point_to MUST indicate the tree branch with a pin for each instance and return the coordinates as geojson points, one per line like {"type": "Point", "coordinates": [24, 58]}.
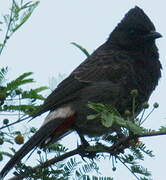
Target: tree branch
{"type": "Point", "coordinates": [18, 121]}
{"type": "Point", "coordinates": [113, 150]}
{"type": "Point", "coordinates": [153, 133]}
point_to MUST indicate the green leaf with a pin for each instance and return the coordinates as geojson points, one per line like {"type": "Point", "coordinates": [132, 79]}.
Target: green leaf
{"type": "Point", "coordinates": [92, 116]}
{"type": "Point", "coordinates": [107, 119]}
{"type": "Point", "coordinates": [42, 88]}
{"type": "Point", "coordinates": [6, 19]}
{"type": "Point", "coordinates": [120, 121]}
{"type": "Point", "coordinates": [6, 154]}
{"type": "Point", "coordinates": [28, 4]}
{"type": "Point", "coordinates": [33, 94]}
{"type": "Point", "coordinates": [15, 8]}
{"type": "Point", "coordinates": [103, 108]}
{"type": "Point", "coordinates": [21, 80]}
{"type": "Point", "coordinates": [162, 128]}
{"type": "Point", "coordinates": [27, 109]}
{"type": "Point", "coordinates": [133, 127]}
{"type": "Point", "coordinates": [97, 107]}
{"type": "Point", "coordinates": [3, 72]}
{"type": "Point", "coordinates": [81, 48]}
{"type": "Point", "coordinates": [56, 148]}
{"type": "Point", "coordinates": [140, 170]}
{"type": "Point", "coordinates": [26, 15]}
{"type": "Point", "coordinates": [143, 148]}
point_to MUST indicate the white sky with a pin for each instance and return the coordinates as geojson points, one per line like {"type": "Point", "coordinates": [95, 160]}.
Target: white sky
{"type": "Point", "coordinates": [43, 46]}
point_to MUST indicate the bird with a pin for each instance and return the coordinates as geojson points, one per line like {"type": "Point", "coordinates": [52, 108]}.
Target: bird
{"type": "Point", "coordinates": [127, 60]}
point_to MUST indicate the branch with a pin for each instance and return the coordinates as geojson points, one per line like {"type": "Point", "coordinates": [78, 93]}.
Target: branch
{"type": "Point", "coordinates": [18, 121]}
{"type": "Point", "coordinates": [8, 29]}
{"type": "Point", "coordinates": [50, 162]}
{"type": "Point", "coordinates": [153, 133]}
{"type": "Point", "coordinates": [113, 150]}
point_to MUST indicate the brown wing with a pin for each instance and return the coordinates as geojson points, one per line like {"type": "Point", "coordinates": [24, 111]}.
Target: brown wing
{"type": "Point", "coordinates": [102, 65]}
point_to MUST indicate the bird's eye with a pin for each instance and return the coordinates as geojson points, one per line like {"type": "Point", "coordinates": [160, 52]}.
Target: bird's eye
{"type": "Point", "coordinates": [137, 32]}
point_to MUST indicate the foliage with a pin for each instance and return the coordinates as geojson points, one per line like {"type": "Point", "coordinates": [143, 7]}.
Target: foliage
{"type": "Point", "coordinates": [81, 48]}
{"type": "Point", "coordinates": [13, 98]}
{"type": "Point", "coordinates": [136, 149]}
{"type": "Point", "coordinates": [20, 12]}
{"type": "Point", "coordinates": [110, 116]}
{"type": "Point", "coordinates": [15, 103]}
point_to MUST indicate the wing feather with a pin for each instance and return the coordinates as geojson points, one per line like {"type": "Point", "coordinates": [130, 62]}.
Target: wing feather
{"type": "Point", "coordinates": [102, 65]}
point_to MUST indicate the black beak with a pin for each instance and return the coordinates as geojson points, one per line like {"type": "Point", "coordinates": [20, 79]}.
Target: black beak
{"type": "Point", "coordinates": [153, 35]}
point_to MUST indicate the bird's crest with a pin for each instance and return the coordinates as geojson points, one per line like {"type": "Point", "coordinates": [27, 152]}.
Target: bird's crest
{"type": "Point", "coordinates": [136, 17]}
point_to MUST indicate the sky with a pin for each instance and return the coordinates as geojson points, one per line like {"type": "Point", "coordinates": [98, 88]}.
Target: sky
{"type": "Point", "coordinates": [43, 46]}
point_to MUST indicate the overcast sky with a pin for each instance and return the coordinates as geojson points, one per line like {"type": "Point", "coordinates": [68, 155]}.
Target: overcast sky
{"type": "Point", "coordinates": [43, 46]}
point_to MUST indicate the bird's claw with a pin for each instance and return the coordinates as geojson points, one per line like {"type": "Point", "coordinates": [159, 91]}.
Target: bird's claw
{"type": "Point", "coordinates": [84, 152]}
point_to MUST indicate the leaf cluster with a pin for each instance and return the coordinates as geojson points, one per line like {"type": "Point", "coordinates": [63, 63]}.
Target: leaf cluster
{"type": "Point", "coordinates": [13, 97]}
{"type": "Point", "coordinates": [20, 12]}
{"type": "Point", "coordinates": [111, 117]}
{"type": "Point", "coordinates": [133, 152]}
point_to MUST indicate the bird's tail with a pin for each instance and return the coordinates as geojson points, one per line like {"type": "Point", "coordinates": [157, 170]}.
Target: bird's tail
{"type": "Point", "coordinates": [53, 129]}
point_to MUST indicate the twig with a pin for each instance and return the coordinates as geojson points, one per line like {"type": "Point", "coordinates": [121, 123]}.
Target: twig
{"type": "Point", "coordinates": [8, 29]}
{"type": "Point", "coordinates": [153, 133]}
{"type": "Point", "coordinates": [18, 121]}
{"type": "Point", "coordinates": [7, 114]}
{"type": "Point", "coordinates": [128, 168]}
{"type": "Point", "coordinates": [147, 116]}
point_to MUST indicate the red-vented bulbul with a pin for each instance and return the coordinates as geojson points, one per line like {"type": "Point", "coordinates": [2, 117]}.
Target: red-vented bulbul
{"type": "Point", "coordinates": [128, 60]}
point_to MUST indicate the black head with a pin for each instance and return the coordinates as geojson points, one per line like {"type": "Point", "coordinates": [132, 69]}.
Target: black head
{"type": "Point", "coordinates": [134, 31]}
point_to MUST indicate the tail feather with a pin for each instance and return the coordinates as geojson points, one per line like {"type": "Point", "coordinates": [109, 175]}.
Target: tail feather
{"type": "Point", "coordinates": [36, 140]}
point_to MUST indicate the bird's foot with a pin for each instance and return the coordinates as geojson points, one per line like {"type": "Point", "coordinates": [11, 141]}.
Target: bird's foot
{"type": "Point", "coordinates": [83, 149]}
{"type": "Point", "coordinates": [84, 152]}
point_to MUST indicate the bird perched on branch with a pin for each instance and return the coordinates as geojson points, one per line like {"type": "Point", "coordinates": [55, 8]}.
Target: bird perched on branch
{"type": "Point", "coordinates": [128, 60]}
